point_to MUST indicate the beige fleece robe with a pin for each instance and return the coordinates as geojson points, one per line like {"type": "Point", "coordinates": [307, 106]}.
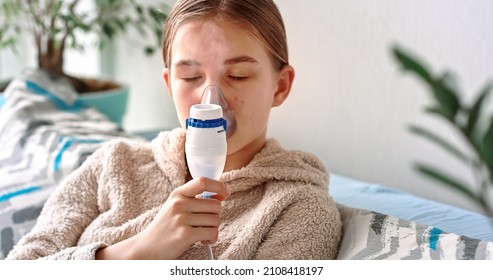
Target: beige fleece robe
{"type": "Point", "coordinates": [279, 207]}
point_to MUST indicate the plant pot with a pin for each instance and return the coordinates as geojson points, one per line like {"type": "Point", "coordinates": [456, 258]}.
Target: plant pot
{"type": "Point", "coordinates": [112, 103]}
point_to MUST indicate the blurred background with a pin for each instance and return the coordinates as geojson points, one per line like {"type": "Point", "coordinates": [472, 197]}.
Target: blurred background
{"type": "Point", "coordinates": [350, 104]}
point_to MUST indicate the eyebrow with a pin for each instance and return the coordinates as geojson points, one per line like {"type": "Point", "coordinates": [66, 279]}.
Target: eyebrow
{"type": "Point", "coordinates": [186, 62]}
{"type": "Point", "coordinates": [240, 59]}
{"type": "Point", "coordinates": [230, 61]}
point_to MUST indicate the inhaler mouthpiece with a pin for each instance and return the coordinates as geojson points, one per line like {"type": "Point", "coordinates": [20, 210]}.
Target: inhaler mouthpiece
{"type": "Point", "coordinates": [213, 95]}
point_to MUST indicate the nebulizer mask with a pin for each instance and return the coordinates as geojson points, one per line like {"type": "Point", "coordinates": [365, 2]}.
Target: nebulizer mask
{"type": "Point", "coordinates": [210, 123]}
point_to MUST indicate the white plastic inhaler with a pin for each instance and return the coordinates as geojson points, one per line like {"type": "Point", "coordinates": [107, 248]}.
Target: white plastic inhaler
{"type": "Point", "coordinates": [205, 144]}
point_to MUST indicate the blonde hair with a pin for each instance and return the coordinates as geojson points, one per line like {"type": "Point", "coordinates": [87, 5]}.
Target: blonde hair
{"type": "Point", "coordinates": [261, 17]}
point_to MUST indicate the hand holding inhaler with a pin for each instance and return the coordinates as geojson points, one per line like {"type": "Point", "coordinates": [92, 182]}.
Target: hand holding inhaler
{"type": "Point", "coordinates": [208, 126]}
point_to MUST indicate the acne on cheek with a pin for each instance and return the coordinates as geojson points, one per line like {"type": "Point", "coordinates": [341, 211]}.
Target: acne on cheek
{"type": "Point", "coordinates": [236, 103]}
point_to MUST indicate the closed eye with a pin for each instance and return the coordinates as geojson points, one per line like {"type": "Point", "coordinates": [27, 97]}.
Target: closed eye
{"type": "Point", "coordinates": [237, 78]}
{"type": "Point", "coordinates": [191, 79]}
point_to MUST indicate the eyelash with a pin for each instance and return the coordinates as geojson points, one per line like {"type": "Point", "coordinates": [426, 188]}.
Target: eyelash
{"type": "Point", "coordinates": [239, 79]}
{"type": "Point", "coordinates": [192, 79]}
{"type": "Point", "coordinates": [234, 78]}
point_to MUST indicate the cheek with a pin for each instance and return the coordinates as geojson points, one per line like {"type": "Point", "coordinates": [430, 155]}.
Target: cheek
{"type": "Point", "coordinates": [183, 102]}
{"type": "Point", "coordinates": [251, 111]}
{"type": "Point", "coordinates": [241, 108]}
{"type": "Point", "coordinates": [236, 103]}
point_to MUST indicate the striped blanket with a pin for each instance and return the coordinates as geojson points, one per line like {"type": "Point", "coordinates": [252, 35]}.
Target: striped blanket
{"type": "Point", "coordinates": [45, 133]}
{"type": "Point", "coordinates": [370, 235]}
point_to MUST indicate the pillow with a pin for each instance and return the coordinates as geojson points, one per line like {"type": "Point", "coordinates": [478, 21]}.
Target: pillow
{"type": "Point", "coordinates": [369, 235]}
{"type": "Point", "coordinates": [18, 213]}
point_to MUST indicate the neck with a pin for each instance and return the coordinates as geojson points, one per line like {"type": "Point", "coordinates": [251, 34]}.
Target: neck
{"type": "Point", "coordinates": [242, 157]}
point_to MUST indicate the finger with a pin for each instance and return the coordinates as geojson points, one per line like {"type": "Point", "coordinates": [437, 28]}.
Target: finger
{"type": "Point", "coordinates": [204, 220]}
{"type": "Point", "coordinates": [206, 234]}
{"type": "Point", "coordinates": [204, 206]}
{"type": "Point", "coordinates": [200, 185]}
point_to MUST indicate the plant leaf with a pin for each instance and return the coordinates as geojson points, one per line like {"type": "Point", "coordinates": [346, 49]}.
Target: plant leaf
{"type": "Point", "coordinates": [475, 110]}
{"type": "Point", "coordinates": [448, 181]}
{"type": "Point", "coordinates": [157, 15]}
{"type": "Point", "coordinates": [412, 64]}
{"type": "Point", "coordinates": [488, 147]}
{"type": "Point", "coordinates": [139, 9]}
{"type": "Point", "coordinates": [57, 7]}
{"type": "Point", "coordinates": [440, 142]}
{"type": "Point", "coordinates": [108, 30]}
{"type": "Point", "coordinates": [149, 50]}
{"type": "Point", "coordinates": [446, 95]}
{"type": "Point", "coordinates": [438, 111]}
{"type": "Point", "coordinates": [443, 89]}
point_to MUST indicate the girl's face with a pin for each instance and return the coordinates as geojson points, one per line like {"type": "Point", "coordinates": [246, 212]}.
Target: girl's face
{"type": "Point", "coordinates": [215, 52]}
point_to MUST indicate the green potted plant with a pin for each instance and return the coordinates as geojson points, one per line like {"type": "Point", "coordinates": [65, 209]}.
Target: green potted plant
{"type": "Point", "coordinates": [55, 25]}
{"type": "Point", "coordinates": [473, 123]}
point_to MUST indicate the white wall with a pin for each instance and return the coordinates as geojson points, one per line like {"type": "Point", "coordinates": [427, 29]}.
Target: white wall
{"type": "Point", "coordinates": [351, 105]}
{"type": "Point", "coordinates": [150, 106]}
{"type": "Point", "coordinates": [12, 62]}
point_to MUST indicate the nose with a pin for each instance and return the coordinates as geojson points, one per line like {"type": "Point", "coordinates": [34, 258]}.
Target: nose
{"type": "Point", "coordinates": [212, 79]}
{"type": "Point", "coordinates": [213, 95]}
{"type": "Point", "coordinates": [213, 86]}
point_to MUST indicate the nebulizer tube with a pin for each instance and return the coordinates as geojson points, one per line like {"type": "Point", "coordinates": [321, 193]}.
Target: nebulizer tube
{"type": "Point", "coordinates": [209, 125]}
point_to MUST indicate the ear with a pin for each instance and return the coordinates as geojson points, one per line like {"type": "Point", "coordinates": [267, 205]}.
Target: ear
{"type": "Point", "coordinates": [167, 80]}
{"type": "Point", "coordinates": [284, 83]}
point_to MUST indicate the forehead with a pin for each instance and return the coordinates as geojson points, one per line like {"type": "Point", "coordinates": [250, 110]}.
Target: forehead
{"type": "Point", "coordinates": [211, 36]}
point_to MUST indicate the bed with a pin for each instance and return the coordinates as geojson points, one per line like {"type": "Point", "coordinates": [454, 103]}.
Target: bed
{"type": "Point", "coordinates": [46, 132]}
